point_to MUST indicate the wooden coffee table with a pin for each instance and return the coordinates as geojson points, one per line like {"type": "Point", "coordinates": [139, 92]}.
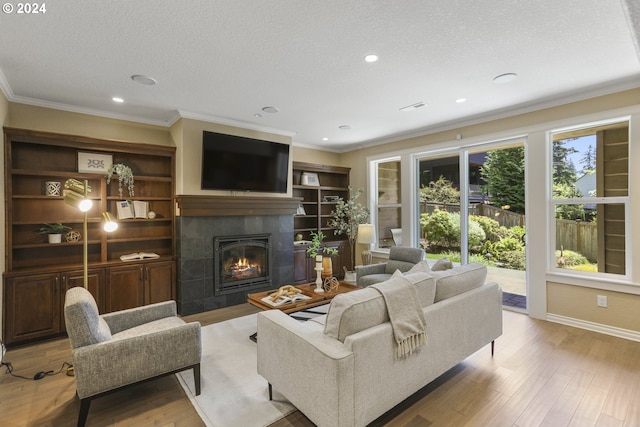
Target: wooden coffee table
{"type": "Point", "coordinates": [308, 289]}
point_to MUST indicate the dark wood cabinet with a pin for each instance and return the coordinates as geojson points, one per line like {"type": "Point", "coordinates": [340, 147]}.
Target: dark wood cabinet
{"type": "Point", "coordinates": [318, 201]}
{"type": "Point", "coordinates": [39, 273]}
{"type": "Point", "coordinates": [133, 285]}
{"type": "Point", "coordinates": [32, 307]}
{"type": "Point", "coordinates": [159, 282]}
{"type": "Point", "coordinates": [125, 287]}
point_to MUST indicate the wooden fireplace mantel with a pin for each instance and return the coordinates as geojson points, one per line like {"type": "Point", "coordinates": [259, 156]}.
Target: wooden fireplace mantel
{"type": "Point", "coordinates": [236, 206]}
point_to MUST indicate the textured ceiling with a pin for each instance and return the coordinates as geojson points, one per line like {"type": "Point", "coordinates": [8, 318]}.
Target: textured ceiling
{"type": "Point", "coordinates": [223, 61]}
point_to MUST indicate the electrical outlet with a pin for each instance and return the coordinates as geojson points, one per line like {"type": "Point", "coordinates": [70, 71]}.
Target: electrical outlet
{"type": "Point", "coordinates": [602, 300]}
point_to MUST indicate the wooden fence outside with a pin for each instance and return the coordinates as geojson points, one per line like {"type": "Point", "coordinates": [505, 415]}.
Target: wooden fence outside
{"type": "Point", "coordinates": [506, 218]}
{"type": "Point", "coordinates": [578, 236]}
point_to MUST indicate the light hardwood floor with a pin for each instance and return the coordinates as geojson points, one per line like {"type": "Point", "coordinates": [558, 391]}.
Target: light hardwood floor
{"type": "Point", "coordinates": [542, 374]}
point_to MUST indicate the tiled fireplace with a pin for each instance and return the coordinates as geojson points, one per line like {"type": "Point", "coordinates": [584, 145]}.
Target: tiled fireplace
{"type": "Point", "coordinates": [249, 231]}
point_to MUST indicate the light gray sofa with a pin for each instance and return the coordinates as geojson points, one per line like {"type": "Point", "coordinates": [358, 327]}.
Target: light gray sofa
{"type": "Point", "coordinates": [342, 369]}
{"type": "Point", "coordinates": [400, 258]}
{"type": "Point", "coordinates": [123, 348]}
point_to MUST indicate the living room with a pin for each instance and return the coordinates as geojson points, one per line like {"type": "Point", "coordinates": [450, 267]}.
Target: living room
{"type": "Point", "coordinates": [560, 305]}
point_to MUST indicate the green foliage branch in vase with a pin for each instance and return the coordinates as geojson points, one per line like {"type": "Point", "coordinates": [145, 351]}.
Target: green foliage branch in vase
{"type": "Point", "coordinates": [125, 176]}
{"type": "Point", "coordinates": [346, 218]}
{"type": "Point", "coordinates": [317, 248]}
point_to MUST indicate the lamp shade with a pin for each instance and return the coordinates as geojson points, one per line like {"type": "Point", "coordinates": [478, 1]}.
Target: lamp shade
{"type": "Point", "coordinates": [366, 234]}
{"type": "Point", "coordinates": [108, 223]}
{"type": "Point", "coordinates": [75, 194]}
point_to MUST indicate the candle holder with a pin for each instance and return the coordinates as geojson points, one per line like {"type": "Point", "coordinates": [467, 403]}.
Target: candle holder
{"type": "Point", "coordinates": [319, 289]}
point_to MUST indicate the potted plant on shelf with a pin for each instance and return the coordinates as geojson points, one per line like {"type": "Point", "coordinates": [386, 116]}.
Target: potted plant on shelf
{"type": "Point", "coordinates": [318, 249]}
{"type": "Point", "coordinates": [345, 220]}
{"type": "Point", "coordinates": [125, 176]}
{"type": "Point", "coordinates": [54, 231]}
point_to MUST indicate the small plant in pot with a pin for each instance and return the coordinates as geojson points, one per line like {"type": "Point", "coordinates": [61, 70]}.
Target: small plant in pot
{"type": "Point", "coordinates": [54, 230]}
{"type": "Point", "coordinates": [317, 248]}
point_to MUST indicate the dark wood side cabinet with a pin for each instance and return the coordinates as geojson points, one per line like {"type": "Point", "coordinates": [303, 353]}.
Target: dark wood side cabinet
{"type": "Point", "coordinates": [38, 273]}
{"type": "Point", "coordinates": [318, 201]}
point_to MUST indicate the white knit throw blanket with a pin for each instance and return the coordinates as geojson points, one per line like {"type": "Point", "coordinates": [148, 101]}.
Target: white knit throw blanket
{"type": "Point", "coordinates": [405, 314]}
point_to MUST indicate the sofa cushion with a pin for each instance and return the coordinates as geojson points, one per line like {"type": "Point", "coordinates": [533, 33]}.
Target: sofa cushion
{"type": "Point", "coordinates": [458, 280]}
{"type": "Point", "coordinates": [355, 311]}
{"type": "Point", "coordinates": [358, 310]}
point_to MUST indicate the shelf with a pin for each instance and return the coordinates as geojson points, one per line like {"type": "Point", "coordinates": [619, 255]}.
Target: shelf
{"type": "Point", "coordinates": [54, 245]}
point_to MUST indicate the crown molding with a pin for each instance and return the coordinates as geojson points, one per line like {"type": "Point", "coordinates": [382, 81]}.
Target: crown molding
{"type": "Point", "coordinates": [230, 122]}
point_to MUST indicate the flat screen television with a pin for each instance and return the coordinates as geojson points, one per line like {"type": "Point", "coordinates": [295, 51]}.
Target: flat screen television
{"type": "Point", "coordinates": [236, 163]}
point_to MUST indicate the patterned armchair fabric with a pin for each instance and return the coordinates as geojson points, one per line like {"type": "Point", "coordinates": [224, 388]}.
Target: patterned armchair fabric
{"type": "Point", "coordinates": [126, 347]}
{"type": "Point", "coordinates": [400, 258]}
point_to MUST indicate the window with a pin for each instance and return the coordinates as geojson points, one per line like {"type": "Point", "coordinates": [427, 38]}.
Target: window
{"type": "Point", "coordinates": [590, 198]}
{"type": "Point", "coordinates": [387, 212]}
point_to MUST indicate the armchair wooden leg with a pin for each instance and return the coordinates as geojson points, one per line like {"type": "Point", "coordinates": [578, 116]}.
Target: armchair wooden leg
{"type": "Point", "coordinates": [84, 411]}
{"type": "Point", "coordinates": [493, 345]}
{"type": "Point", "coordinates": [196, 378]}
{"type": "Point", "coordinates": [270, 392]}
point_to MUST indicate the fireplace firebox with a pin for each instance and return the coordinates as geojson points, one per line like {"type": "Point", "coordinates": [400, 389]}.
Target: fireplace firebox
{"type": "Point", "coordinates": [241, 263]}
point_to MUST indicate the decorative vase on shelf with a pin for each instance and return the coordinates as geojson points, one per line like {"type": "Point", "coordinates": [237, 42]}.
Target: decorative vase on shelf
{"type": "Point", "coordinates": [327, 267]}
{"type": "Point", "coordinates": [52, 188]}
{"type": "Point", "coordinates": [55, 238]}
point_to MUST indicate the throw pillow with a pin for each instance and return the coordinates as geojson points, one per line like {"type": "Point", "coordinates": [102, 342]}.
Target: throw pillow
{"type": "Point", "coordinates": [459, 279]}
{"type": "Point", "coordinates": [421, 267]}
{"type": "Point", "coordinates": [442, 264]}
{"type": "Point", "coordinates": [355, 311]}
{"type": "Point", "coordinates": [425, 285]}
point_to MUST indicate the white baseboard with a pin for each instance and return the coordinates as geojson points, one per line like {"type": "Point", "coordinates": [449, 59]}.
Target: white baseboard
{"type": "Point", "coordinates": [595, 327]}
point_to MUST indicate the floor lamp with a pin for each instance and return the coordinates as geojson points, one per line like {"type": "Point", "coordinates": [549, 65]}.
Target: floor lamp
{"type": "Point", "coordinates": [366, 236]}
{"type": "Point", "coordinates": [76, 194]}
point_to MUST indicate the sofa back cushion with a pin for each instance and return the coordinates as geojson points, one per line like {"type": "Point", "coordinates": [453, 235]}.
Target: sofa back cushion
{"type": "Point", "coordinates": [362, 309]}
{"type": "Point", "coordinates": [459, 279]}
{"type": "Point", "coordinates": [83, 322]}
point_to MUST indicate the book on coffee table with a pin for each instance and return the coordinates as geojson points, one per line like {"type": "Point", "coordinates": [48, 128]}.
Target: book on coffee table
{"type": "Point", "coordinates": [285, 299]}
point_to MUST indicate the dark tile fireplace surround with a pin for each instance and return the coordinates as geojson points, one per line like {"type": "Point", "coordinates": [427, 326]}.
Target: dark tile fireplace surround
{"type": "Point", "coordinates": [202, 218]}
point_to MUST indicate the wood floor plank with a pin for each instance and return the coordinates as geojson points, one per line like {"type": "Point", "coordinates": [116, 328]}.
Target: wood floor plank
{"type": "Point", "coordinates": [542, 374]}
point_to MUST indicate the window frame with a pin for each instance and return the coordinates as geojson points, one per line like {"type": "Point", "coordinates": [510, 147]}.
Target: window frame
{"type": "Point", "coordinates": [553, 202]}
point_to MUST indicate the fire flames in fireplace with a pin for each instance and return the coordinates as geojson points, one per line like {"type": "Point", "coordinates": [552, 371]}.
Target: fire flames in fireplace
{"type": "Point", "coordinates": [241, 263]}
{"type": "Point", "coordinates": [242, 268]}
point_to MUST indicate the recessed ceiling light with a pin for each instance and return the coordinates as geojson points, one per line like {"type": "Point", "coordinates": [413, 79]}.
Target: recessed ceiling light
{"type": "Point", "coordinates": [271, 110]}
{"type": "Point", "coordinates": [371, 58]}
{"type": "Point", "coordinates": [344, 127]}
{"type": "Point", "coordinates": [461, 100]}
{"type": "Point", "coordinates": [257, 115]}
{"type": "Point", "coordinates": [505, 78]}
{"type": "Point", "coordinates": [117, 99]}
{"type": "Point", "coordinates": [325, 139]}
{"type": "Point", "coordinates": [413, 106]}
{"type": "Point", "coordinates": [143, 80]}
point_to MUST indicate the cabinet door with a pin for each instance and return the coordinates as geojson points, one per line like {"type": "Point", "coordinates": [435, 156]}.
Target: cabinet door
{"type": "Point", "coordinates": [160, 283]}
{"type": "Point", "coordinates": [95, 277]}
{"type": "Point", "coordinates": [32, 305]}
{"type": "Point", "coordinates": [124, 287]}
{"type": "Point", "coordinates": [302, 268]}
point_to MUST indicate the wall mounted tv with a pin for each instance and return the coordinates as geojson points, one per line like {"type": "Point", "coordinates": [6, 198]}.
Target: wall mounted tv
{"type": "Point", "coordinates": [236, 163]}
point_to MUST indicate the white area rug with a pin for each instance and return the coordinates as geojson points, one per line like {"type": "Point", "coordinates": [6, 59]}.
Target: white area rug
{"type": "Point", "coordinates": [232, 392]}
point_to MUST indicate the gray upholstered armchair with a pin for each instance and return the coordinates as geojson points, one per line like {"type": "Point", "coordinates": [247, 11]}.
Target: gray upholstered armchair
{"type": "Point", "coordinates": [126, 347]}
{"type": "Point", "coordinates": [400, 258]}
